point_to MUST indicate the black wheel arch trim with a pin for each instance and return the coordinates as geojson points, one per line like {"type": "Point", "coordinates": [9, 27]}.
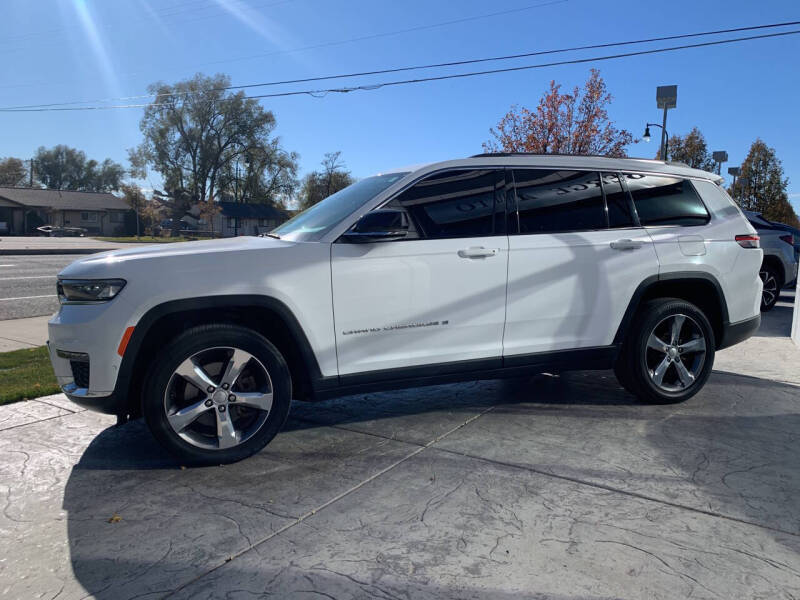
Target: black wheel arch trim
{"type": "Point", "coordinates": [146, 322]}
{"type": "Point", "coordinates": [674, 276]}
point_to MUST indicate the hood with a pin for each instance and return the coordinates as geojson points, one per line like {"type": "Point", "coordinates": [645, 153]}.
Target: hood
{"type": "Point", "coordinates": [106, 263]}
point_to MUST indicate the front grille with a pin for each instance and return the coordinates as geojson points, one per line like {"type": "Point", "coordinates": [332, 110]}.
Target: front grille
{"type": "Point", "coordinates": [80, 373]}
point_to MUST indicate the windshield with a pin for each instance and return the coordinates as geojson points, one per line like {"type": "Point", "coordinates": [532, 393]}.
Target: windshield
{"type": "Point", "coordinates": [316, 221]}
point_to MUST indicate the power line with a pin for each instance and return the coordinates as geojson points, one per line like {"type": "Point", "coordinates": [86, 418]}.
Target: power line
{"type": "Point", "coordinates": [323, 92]}
{"type": "Point", "coordinates": [419, 67]}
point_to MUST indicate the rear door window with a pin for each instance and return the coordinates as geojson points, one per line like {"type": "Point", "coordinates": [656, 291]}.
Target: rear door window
{"type": "Point", "coordinates": [666, 200]}
{"type": "Point", "coordinates": [620, 214]}
{"type": "Point", "coordinates": [550, 201]}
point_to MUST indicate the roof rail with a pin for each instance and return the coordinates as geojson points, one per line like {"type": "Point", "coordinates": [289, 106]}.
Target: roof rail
{"type": "Point", "coordinates": [490, 154]}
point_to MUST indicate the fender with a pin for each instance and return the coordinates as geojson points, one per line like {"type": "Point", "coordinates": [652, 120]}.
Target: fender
{"type": "Point", "coordinates": [649, 282]}
{"type": "Point", "coordinates": [143, 327]}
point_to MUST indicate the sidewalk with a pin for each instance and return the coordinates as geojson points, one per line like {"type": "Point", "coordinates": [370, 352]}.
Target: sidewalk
{"type": "Point", "coordinates": [54, 245]}
{"type": "Point", "coordinates": [16, 334]}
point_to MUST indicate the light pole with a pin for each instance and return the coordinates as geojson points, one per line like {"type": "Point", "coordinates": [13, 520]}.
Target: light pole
{"type": "Point", "coordinates": [664, 138]}
{"type": "Point", "coordinates": [666, 98]}
{"type": "Point", "coordinates": [743, 181]}
{"type": "Point", "coordinates": [720, 156]}
{"type": "Point", "coordinates": [734, 171]}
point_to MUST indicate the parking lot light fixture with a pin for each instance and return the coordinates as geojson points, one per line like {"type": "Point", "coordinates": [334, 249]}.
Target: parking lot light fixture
{"type": "Point", "coordinates": [720, 156]}
{"type": "Point", "coordinates": [734, 172]}
{"type": "Point", "coordinates": [666, 98]}
{"type": "Point", "coordinates": [664, 138]}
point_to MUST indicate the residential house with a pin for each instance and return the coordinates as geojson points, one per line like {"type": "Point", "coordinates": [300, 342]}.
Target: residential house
{"type": "Point", "coordinates": [238, 218]}
{"type": "Point", "coordinates": [24, 209]}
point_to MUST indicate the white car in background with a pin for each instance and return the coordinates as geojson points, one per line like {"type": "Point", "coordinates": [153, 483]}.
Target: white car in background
{"type": "Point", "coordinates": [779, 268]}
{"type": "Point", "coordinates": [485, 267]}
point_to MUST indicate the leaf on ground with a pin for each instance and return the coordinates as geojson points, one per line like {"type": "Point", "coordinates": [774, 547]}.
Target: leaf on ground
{"type": "Point", "coordinates": [115, 518]}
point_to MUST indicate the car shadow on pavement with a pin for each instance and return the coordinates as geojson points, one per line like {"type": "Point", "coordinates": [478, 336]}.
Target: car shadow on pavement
{"type": "Point", "coordinates": [731, 451]}
{"type": "Point", "coordinates": [778, 322]}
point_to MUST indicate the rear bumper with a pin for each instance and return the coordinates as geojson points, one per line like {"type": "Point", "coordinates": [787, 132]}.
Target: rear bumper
{"type": "Point", "coordinates": [733, 333]}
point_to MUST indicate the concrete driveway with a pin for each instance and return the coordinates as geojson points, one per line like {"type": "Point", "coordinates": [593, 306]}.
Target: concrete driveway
{"type": "Point", "coordinates": [546, 487]}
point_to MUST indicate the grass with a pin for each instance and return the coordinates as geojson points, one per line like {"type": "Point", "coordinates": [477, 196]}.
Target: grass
{"type": "Point", "coordinates": [26, 374]}
{"type": "Point", "coordinates": [146, 239]}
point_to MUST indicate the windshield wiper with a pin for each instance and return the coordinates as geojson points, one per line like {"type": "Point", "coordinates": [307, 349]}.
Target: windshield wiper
{"type": "Point", "coordinates": [273, 235]}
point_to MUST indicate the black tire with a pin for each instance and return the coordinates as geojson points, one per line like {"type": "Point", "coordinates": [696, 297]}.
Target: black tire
{"type": "Point", "coordinates": [159, 389]}
{"type": "Point", "coordinates": [773, 282]}
{"type": "Point", "coordinates": [637, 367]}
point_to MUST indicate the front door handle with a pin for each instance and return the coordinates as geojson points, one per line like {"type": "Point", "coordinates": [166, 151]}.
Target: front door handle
{"type": "Point", "coordinates": [477, 252]}
{"type": "Point", "coordinates": [626, 244]}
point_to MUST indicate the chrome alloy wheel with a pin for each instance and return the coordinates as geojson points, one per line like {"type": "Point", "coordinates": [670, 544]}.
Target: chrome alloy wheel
{"type": "Point", "coordinates": [770, 287]}
{"type": "Point", "coordinates": [675, 353]}
{"type": "Point", "coordinates": [218, 398]}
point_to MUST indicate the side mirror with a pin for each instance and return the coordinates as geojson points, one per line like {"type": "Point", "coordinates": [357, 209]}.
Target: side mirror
{"type": "Point", "coordinates": [382, 225]}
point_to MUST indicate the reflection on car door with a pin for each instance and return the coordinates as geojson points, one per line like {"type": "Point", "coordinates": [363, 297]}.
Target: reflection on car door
{"type": "Point", "coordinates": [437, 296]}
{"type": "Point", "coordinates": [575, 260]}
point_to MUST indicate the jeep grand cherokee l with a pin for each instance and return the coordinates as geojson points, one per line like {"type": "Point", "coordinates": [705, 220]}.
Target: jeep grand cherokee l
{"type": "Point", "coordinates": [491, 266]}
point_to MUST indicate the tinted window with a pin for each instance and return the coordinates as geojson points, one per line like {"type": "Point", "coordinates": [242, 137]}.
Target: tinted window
{"type": "Point", "coordinates": [663, 200]}
{"type": "Point", "coordinates": [314, 222]}
{"type": "Point", "coordinates": [619, 207]}
{"type": "Point", "coordinates": [456, 204]}
{"type": "Point", "coordinates": [550, 200]}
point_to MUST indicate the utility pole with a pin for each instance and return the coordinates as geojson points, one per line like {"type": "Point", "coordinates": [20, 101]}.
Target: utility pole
{"type": "Point", "coordinates": [236, 187]}
{"type": "Point", "coordinates": [30, 175]}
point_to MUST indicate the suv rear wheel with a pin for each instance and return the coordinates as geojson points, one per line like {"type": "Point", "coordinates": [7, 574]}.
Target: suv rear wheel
{"type": "Point", "coordinates": [668, 354]}
{"type": "Point", "coordinates": [216, 394]}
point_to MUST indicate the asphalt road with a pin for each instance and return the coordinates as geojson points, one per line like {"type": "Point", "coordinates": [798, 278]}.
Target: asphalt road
{"type": "Point", "coordinates": [28, 285]}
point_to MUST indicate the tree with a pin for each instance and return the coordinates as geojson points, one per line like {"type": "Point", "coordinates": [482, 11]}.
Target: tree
{"type": "Point", "coordinates": [13, 172]}
{"type": "Point", "coordinates": [65, 168]}
{"type": "Point", "coordinates": [195, 132]}
{"type": "Point", "coordinates": [267, 175]}
{"type": "Point", "coordinates": [690, 149]}
{"type": "Point", "coordinates": [318, 185]}
{"type": "Point", "coordinates": [207, 210]}
{"type": "Point", "coordinates": [568, 123]}
{"type": "Point", "coordinates": [761, 186]}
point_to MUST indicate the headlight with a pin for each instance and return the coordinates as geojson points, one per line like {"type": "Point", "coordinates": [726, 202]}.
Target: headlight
{"type": "Point", "coordinates": [79, 291]}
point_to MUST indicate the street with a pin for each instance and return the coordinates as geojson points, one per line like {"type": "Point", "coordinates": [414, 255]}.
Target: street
{"type": "Point", "coordinates": [28, 285]}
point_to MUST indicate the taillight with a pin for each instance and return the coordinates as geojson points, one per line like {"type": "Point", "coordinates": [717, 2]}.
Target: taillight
{"type": "Point", "coordinates": [750, 240]}
{"type": "Point", "coordinates": [788, 238]}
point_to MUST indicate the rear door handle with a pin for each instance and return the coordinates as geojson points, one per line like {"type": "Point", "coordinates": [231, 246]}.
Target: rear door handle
{"type": "Point", "coordinates": [477, 252]}
{"type": "Point", "coordinates": [626, 244]}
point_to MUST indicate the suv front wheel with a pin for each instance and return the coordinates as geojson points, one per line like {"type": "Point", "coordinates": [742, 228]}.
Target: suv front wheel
{"type": "Point", "coordinates": [216, 394]}
{"type": "Point", "coordinates": [668, 354]}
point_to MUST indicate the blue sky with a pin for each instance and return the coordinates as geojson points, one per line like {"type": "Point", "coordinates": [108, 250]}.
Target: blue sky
{"type": "Point", "coordinates": [63, 50]}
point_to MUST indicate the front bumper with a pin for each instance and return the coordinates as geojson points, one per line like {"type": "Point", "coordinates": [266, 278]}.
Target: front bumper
{"type": "Point", "coordinates": [83, 343]}
{"type": "Point", "coordinates": [79, 394]}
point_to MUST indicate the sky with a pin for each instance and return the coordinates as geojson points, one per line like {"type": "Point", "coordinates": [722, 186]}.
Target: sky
{"type": "Point", "coordinates": [68, 50]}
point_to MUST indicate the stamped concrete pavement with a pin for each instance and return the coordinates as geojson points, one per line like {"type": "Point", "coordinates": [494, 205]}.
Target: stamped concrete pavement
{"type": "Point", "coordinates": [544, 487]}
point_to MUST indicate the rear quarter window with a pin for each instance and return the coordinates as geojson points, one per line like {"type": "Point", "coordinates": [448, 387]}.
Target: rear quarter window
{"type": "Point", "coordinates": [666, 200]}
{"type": "Point", "coordinates": [717, 199]}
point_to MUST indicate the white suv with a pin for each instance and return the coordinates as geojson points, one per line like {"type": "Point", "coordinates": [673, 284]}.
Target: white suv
{"type": "Point", "coordinates": [491, 266]}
